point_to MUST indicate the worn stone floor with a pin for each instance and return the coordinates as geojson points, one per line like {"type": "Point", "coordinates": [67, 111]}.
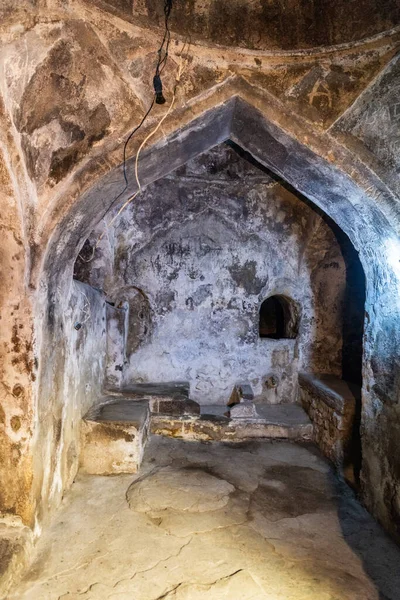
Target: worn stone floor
{"type": "Point", "coordinates": [250, 521]}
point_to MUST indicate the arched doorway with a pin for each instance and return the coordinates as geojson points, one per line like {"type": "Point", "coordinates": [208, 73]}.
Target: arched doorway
{"type": "Point", "coordinates": [322, 183]}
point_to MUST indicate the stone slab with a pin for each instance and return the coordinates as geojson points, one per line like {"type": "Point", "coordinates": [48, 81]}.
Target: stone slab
{"type": "Point", "coordinates": [170, 398]}
{"type": "Point", "coordinates": [215, 427]}
{"type": "Point", "coordinates": [120, 411]}
{"type": "Point", "coordinates": [243, 410]}
{"type": "Point", "coordinates": [174, 406]}
{"type": "Point", "coordinates": [113, 437]}
{"type": "Point", "coordinates": [170, 389]}
{"type": "Point", "coordinates": [335, 392]}
{"type": "Point", "coordinates": [287, 415]}
{"type": "Point", "coordinates": [214, 410]}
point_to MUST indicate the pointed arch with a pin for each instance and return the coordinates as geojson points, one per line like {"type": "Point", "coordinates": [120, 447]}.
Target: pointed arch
{"type": "Point", "coordinates": [325, 183]}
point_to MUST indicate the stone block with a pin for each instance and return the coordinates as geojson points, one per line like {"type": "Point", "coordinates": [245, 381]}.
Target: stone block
{"type": "Point", "coordinates": [113, 437]}
{"type": "Point", "coordinates": [174, 407]}
{"type": "Point", "coordinates": [288, 422]}
{"type": "Point", "coordinates": [241, 391]}
{"type": "Point", "coordinates": [244, 410]}
{"type": "Point", "coordinates": [330, 404]}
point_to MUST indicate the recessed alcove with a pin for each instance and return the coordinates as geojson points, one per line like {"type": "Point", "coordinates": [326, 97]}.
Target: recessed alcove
{"type": "Point", "coordinates": [278, 318]}
{"type": "Point", "coordinates": [200, 312]}
{"type": "Point", "coordinates": [199, 276]}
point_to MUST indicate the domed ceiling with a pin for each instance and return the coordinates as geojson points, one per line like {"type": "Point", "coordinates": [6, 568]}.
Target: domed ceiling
{"type": "Point", "coordinates": [266, 24]}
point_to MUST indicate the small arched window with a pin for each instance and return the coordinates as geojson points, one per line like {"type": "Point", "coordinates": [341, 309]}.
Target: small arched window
{"type": "Point", "coordinates": [278, 318]}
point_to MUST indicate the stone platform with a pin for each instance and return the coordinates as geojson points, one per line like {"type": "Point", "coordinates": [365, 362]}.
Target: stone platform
{"type": "Point", "coordinates": [331, 403]}
{"type": "Point", "coordinates": [114, 434]}
{"type": "Point", "coordinates": [288, 422]}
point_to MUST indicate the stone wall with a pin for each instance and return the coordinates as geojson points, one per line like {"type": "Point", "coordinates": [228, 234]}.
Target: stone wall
{"type": "Point", "coordinates": [331, 407]}
{"type": "Point", "coordinates": [205, 247]}
{"type": "Point", "coordinates": [77, 370]}
{"type": "Point", "coordinates": [76, 78]}
{"type": "Point", "coordinates": [280, 24]}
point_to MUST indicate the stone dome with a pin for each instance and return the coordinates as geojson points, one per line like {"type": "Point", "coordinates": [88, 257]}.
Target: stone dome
{"type": "Point", "coordinates": [270, 24]}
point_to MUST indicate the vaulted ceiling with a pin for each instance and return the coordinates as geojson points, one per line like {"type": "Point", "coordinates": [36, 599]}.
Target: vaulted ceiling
{"type": "Point", "coordinates": [266, 24]}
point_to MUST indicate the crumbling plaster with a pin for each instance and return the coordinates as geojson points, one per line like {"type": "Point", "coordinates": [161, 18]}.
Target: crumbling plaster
{"type": "Point", "coordinates": [74, 80]}
{"type": "Point", "coordinates": [73, 374]}
{"type": "Point", "coordinates": [204, 247]}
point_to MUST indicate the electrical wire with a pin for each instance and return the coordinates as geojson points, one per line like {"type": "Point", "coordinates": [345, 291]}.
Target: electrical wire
{"type": "Point", "coordinates": [153, 132]}
{"type": "Point", "coordinates": [158, 98]}
{"type": "Point", "coordinates": [166, 38]}
{"type": "Point", "coordinates": [128, 139]}
{"type": "Point", "coordinates": [181, 69]}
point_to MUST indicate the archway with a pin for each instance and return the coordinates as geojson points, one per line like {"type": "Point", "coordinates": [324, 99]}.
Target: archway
{"type": "Point", "coordinates": [321, 182]}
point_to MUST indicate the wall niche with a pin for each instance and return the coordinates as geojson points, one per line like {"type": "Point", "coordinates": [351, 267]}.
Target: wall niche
{"type": "Point", "coordinates": [201, 251]}
{"type": "Point", "coordinates": [279, 318]}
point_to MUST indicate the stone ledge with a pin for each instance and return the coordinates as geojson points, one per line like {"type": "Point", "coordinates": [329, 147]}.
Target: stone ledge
{"type": "Point", "coordinates": [219, 428]}
{"type": "Point", "coordinates": [335, 392]}
{"type": "Point", "coordinates": [330, 404]}
{"type": "Point", "coordinates": [114, 436]}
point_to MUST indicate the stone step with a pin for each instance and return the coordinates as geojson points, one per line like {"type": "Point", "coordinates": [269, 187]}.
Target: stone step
{"type": "Point", "coordinates": [114, 433]}
{"type": "Point", "coordinates": [170, 389]}
{"type": "Point", "coordinates": [288, 422]}
{"type": "Point", "coordinates": [113, 436]}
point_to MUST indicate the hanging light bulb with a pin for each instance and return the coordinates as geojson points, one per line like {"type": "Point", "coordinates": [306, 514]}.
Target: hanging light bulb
{"type": "Point", "coordinates": [157, 84]}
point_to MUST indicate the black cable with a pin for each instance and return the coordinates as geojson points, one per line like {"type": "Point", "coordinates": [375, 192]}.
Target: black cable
{"type": "Point", "coordinates": [158, 97]}
{"type": "Point", "coordinates": [132, 133]}
{"type": "Point", "coordinates": [162, 58]}
{"type": "Point", "coordinates": [161, 62]}
{"type": "Point", "coordinates": [128, 139]}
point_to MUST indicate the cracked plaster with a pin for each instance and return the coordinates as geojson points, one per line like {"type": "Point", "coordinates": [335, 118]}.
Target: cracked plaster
{"type": "Point", "coordinates": [303, 93]}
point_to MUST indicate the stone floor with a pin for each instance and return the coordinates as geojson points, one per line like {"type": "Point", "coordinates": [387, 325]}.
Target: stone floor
{"type": "Point", "coordinates": [250, 521]}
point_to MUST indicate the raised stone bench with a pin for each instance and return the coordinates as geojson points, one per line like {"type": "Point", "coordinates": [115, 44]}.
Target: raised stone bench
{"type": "Point", "coordinates": [171, 398]}
{"type": "Point", "coordinates": [114, 435]}
{"type": "Point", "coordinates": [289, 422]}
{"type": "Point", "coordinates": [330, 404]}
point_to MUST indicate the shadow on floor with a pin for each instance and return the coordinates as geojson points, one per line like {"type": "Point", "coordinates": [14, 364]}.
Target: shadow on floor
{"type": "Point", "coordinates": [378, 553]}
